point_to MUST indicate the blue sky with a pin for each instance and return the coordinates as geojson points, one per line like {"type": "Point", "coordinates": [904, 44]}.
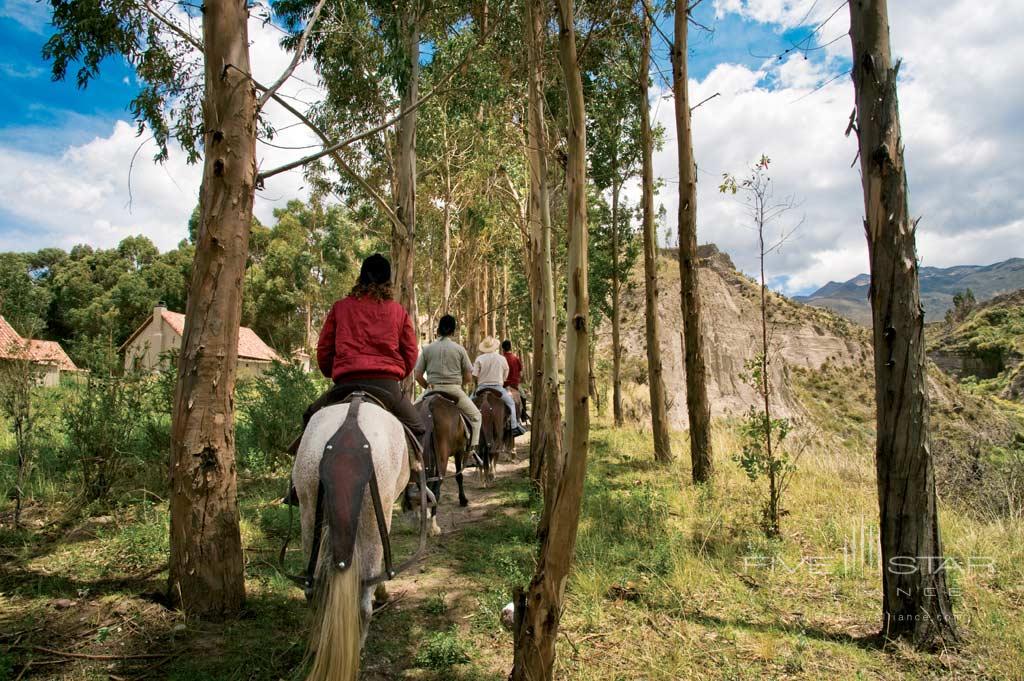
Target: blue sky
{"type": "Point", "coordinates": [46, 116]}
{"type": "Point", "coordinates": [64, 152]}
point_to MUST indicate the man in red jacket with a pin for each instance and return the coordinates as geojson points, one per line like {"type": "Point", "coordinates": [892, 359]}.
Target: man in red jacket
{"type": "Point", "coordinates": [515, 375]}
{"type": "Point", "coordinates": [368, 344]}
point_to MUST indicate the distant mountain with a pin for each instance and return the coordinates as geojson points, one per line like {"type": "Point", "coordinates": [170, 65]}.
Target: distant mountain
{"type": "Point", "coordinates": [938, 286]}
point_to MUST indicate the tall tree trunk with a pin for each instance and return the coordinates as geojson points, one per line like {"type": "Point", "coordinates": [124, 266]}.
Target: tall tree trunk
{"type": "Point", "coordinates": [539, 610]}
{"type": "Point", "coordinates": [655, 379]}
{"type": "Point", "coordinates": [546, 424]}
{"type": "Point", "coordinates": [403, 240]}
{"type": "Point", "coordinates": [446, 256]}
{"type": "Point", "coordinates": [504, 300]}
{"type": "Point", "coordinates": [616, 308]}
{"type": "Point", "coordinates": [488, 299]}
{"type": "Point", "coordinates": [206, 571]}
{"type": "Point", "coordinates": [916, 602]}
{"type": "Point", "coordinates": [537, 329]}
{"type": "Point", "coordinates": [697, 406]}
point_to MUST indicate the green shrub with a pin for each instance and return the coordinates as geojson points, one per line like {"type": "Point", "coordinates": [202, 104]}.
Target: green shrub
{"type": "Point", "coordinates": [272, 406]}
{"type": "Point", "coordinates": [102, 422]}
{"type": "Point", "coordinates": [442, 650]}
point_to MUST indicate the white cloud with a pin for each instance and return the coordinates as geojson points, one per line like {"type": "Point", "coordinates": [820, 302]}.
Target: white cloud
{"type": "Point", "coordinates": [82, 194]}
{"type": "Point", "coordinates": [784, 13]}
{"type": "Point", "coordinates": [30, 14]}
{"type": "Point", "coordinates": [960, 106]}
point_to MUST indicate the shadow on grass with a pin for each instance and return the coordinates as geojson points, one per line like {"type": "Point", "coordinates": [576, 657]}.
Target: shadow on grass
{"type": "Point", "coordinates": [29, 583]}
{"type": "Point", "coordinates": [867, 642]}
{"type": "Point", "coordinates": [132, 638]}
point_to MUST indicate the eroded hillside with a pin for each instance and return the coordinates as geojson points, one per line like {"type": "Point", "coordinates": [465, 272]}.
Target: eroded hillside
{"type": "Point", "coordinates": [801, 337]}
{"type": "Point", "coordinates": [823, 376]}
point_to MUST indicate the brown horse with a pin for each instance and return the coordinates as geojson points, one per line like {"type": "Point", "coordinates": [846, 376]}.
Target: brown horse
{"type": "Point", "coordinates": [445, 439]}
{"type": "Point", "coordinates": [495, 434]}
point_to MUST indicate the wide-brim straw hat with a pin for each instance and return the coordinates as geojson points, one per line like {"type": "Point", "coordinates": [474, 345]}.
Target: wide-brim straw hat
{"type": "Point", "coordinates": [489, 344]}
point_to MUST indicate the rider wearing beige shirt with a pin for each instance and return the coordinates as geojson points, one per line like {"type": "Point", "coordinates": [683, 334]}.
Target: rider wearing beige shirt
{"type": "Point", "coordinates": [491, 370]}
{"type": "Point", "coordinates": [444, 367]}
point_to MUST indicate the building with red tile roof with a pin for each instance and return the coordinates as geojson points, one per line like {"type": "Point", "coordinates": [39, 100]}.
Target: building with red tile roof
{"type": "Point", "coordinates": [48, 355]}
{"type": "Point", "coordinates": [161, 334]}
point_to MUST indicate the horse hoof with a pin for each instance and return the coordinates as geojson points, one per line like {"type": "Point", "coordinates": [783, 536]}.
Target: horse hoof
{"type": "Point", "coordinates": [434, 530]}
{"type": "Point", "coordinates": [463, 502]}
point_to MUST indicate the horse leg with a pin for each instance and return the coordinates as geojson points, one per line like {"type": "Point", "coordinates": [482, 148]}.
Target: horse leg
{"type": "Point", "coordinates": [406, 500]}
{"type": "Point", "coordinates": [435, 487]}
{"type": "Point", "coordinates": [365, 611]}
{"type": "Point", "coordinates": [463, 501]}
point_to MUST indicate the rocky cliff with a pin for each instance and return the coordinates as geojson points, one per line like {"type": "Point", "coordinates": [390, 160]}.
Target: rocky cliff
{"type": "Point", "coordinates": [986, 348]}
{"type": "Point", "coordinates": [801, 337]}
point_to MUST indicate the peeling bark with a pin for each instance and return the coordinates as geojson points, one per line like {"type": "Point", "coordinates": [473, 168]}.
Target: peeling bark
{"type": "Point", "coordinates": [546, 424]}
{"type": "Point", "coordinates": [697, 405]}
{"type": "Point", "coordinates": [916, 603]}
{"type": "Point", "coordinates": [206, 575]}
{"type": "Point", "coordinates": [539, 609]}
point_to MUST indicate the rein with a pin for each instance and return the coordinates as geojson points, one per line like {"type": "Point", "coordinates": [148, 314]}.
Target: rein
{"type": "Point", "coordinates": [306, 580]}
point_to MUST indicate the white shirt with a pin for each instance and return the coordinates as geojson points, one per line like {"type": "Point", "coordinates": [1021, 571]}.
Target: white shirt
{"type": "Point", "coordinates": [490, 369]}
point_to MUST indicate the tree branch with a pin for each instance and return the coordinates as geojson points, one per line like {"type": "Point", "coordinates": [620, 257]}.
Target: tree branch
{"type": "Point", "coordinates": [299, 49]}
{"type": "Point", "coordinates": [331, 148]}
{"type": "Point", "coordinates": [188, 37]}
{"type": "Point", "coordinates": [706, 99]}
{"type": "Point", "coordinates": [338, 160]}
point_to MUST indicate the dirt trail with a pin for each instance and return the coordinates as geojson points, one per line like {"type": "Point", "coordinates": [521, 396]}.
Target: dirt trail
{"type": "Point", "coordinates": [438, 594]}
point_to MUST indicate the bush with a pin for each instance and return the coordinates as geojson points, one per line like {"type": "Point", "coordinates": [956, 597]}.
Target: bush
{"type": "Point", "coordinates": [102, 422]}
{"type": "Point", "coordinates": [272, 406]}
{"type": "Point", "coordinates": [442, 650]}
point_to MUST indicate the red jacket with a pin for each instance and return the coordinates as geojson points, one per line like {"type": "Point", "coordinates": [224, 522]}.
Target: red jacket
{"type": "Point", "coordinates": [366, 338]}
{"type": "Point", "coordinates": [515, 370]}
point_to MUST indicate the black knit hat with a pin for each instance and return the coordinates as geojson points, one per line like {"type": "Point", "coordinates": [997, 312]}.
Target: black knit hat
{"type": "Point", "coordinates": [376, 270]}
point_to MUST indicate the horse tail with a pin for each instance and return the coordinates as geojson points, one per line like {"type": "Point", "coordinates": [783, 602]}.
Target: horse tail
{"type": "Point", "coordinates": [335, 636]}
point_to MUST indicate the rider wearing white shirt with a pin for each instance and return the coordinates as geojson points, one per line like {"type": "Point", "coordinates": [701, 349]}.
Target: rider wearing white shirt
{"type": "Point", "coordinates": [491, 370]}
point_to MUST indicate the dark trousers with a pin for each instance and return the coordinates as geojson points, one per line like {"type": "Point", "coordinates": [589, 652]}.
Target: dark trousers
{"type": "Point", "coordinates": [388, 392]}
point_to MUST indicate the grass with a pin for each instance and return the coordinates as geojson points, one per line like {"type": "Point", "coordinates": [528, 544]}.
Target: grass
{"type": "Point", "coordinates": [671, 581]}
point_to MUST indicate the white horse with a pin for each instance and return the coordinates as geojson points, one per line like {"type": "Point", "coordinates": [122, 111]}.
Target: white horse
{"type": "Point", "coordinates": [342, 604]}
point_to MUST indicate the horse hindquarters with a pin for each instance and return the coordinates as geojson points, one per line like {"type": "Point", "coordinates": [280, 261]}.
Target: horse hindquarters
{"type": "Point", "coordinates": [342, 606]}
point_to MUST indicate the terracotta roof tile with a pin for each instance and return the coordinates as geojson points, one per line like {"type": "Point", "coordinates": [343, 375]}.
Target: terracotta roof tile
{"type": "Point", "coordinates": [50, 352]}
{"type": "Point", "coordinates": [8, 337]}
{"type": "Point", "coordinates": [250, 346]}
{"type": "Point", "coordinates": [13, 346]}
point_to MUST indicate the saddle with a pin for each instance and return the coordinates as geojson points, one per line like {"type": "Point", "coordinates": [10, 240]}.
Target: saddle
{"type": "Point", "coordinates": [466, 426]}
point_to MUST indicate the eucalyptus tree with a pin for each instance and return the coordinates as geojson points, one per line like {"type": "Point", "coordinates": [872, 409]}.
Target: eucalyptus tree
{"type": "Point", "coordinates": [916, 602]}
{"type": "Point", "coordinates": [546, 428]}
{"type": "Point", "coordinates": [370, 63]}
{"type": "Point", "coordinates": [200, 92]}
{"type": "Point", "coordinates": [467, 146]}
{"type": "Point", "coordinates": [697, 405]}
{"type": "Point", "coordinates": [539, 608]}
{"type": "Point", "coordinates": [614, 143]}
{"type": "Point", "coordinates": [655, 368]}
{"type": "Point", "coordinates": [205, 572]}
